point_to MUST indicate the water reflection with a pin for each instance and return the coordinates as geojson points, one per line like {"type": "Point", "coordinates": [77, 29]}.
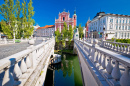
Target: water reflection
{"type": "Point", "coordinates": [66, 73]}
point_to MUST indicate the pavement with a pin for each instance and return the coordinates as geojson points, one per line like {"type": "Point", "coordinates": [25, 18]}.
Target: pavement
{"type": "Point", "coordinates": [10, 49]}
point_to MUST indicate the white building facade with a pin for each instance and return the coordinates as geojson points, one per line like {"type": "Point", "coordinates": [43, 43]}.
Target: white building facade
{"type": "Point", "coordinates": [46, 31]}
{"type": "Point", "coordinates": [110, 25]}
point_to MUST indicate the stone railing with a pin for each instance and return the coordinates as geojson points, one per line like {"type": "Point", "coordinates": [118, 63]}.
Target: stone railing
{"type": "Point", "coordinates": [119, 47]}
{"type": "Point", "coordinates": [8, 41]}
{"type": "Point", "coordinates": [112, 66]}
{"type": "Point", "coordinates": [16, 69]}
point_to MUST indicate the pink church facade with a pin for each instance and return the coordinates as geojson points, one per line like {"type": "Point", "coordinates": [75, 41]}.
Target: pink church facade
{"type": "Point", "coordinates": [65, 17]}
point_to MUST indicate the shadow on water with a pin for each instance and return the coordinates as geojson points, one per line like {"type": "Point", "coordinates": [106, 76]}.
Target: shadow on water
{"type": "Point", "coordinates": [66, 73]}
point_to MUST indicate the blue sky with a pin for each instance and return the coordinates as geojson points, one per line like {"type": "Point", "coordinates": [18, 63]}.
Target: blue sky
{"type": "Point", "coordinates": [47, 10]}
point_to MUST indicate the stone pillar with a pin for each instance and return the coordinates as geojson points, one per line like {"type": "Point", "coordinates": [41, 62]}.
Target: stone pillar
{"type": "Point", "coordinates": [31, 55]}
{"type": "Point", "coordinates": [5, 40]}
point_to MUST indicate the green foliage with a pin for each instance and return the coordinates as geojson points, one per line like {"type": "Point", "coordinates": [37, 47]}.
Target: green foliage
{"type": "Point", "coordinates": [17, 41]}
{"type": "Point", "coordinates": [123, 40]}
{"type": "Point", "coordinates": [13, 22]}
{"type": "Point", "coordinates": [1, 28]}
{"type": "Point", "coordinates": [80, 31]}
{"type": "Point", "coordinates": [70, 34]}
{"type": "Point", "coordinates": [58, 35]}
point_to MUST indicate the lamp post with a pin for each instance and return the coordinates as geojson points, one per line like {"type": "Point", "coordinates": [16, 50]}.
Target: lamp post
{"type": "Point", "coordinates": [92, 37]}
{"type": "Point", "coordinates": [103, 36]}
{"type": "Point", "coordinates": [104, 32]}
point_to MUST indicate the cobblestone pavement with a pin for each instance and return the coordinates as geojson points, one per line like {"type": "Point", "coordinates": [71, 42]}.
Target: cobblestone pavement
{"type": "Point", "coordinates": [7, 50]}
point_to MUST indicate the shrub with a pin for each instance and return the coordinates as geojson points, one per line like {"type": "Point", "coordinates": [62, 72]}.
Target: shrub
{"type": "Point", "coordinates": [17, 41]}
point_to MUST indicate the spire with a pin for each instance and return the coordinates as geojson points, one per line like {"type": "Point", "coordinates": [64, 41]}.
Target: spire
{"type": "Point", "coordinates": [59, 12]}
{"type": "Point", "coordinates": [68, 11]}
{"type": "Point", "coordinates": [88, 18]}
{"type": "Point", "coordinates": [64, 10]}
{"type": "Point", "coordinates": [75, 11]}
{"type": "Point", "coordinates": [55, 18]}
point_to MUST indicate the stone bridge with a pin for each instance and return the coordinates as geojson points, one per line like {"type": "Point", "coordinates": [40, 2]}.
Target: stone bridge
{"type": "Point", "coordinates": [103, 63]}
{"type": "Point", "coordinates": [28, 67]}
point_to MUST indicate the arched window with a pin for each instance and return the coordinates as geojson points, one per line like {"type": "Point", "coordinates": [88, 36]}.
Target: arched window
{"type": "Point", "coordinates": [63, 18]}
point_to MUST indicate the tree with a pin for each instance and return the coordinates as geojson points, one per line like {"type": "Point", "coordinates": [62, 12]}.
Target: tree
{"type": "Point", "coordinates": [0, 28]}
{"type": "Point", "coordinates": [58, 35]}
{"type": "Point", "coordinates": [7, 10]}
{"type": "Point", "coordinates": [13, 22]}
{"type": "Point", "coordinates": [19, 24]}
{"type": "Point", "coordinates": [80, 31]}
{"type": "Point", "coordinates": [30, 20]}
{"type": "Point", "coordinates": [70, 34]}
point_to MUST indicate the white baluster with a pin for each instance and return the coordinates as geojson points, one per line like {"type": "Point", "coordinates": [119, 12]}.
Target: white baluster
{"type": "Point", "coordinates": [104, 62]}
{"type": "Point", "coordinates": [100, 59]}
{"type": "Point", "coordinates": [117, 47]}
{"type": "Point", "coordinates": [116, 71]}
{"type": "Point", "coordinates": [109, 66]}
{"type": "Point", "coordinates": [23, 66]}
{"type": "Point", "coordinates": [124, 49]}
{"type": "Point", "coordinates": [127, 49]}
{"type": "Point", "coordinates": [8, 79]}
{"type": "Point", "coordinates": [17, 72]}
{"type": "Point", "coordinates": [28, 62]}
{"type": "Point", "coordinates": [125, 78]}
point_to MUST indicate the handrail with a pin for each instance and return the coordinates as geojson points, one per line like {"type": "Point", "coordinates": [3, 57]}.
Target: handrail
{"type": "Point", "coordinates": [28, 60]}
{"type": "Point", "coordinates": [109, 64]}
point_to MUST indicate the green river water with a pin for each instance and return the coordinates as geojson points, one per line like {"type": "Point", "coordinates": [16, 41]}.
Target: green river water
{"type": "Point", "coordinates": [66, 73]}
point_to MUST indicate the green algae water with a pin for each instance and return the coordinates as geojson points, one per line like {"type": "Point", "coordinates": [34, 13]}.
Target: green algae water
{"type": "Point", "coordinates": [66, 73]}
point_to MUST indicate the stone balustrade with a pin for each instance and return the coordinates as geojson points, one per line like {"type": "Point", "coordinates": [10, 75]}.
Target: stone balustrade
{"type": "Point", "coordinates": [16, 69]}
{"type": "Point", "coordinates": [8, 41]}
{"type": "Point", "coordinates": [119, 47]}
{"type": "Point", "coordinates": [114, 67]}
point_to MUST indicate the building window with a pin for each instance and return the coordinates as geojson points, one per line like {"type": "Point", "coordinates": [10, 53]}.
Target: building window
{"type": "Point", "coordinates": [128, 35]}
{"type": "Point", "coordinates": [111, 20]}
{"type": "Point", "coordinates": [122, 35]}
{"type": "Point", "coordinates": [126, 28]}
{"type": "Point", "coordinates": [122, 27]}
{"type": "Point", "coordinates": [110, 26]}
{"type": "Point", "coordinates": [74, 17]}
{"type": "Point", "coordinates": [120, 21]}
{"type": "Point", "coordinates": [63, 18]}
{"type": "Point", "coordinates": [123, 21]}
{"type": "Point", "coordinates": [116, 34]}
{"type": "Point", "coordinates": [119, 27]}
{"type": "Point", "coordinates": [116, 27]}
{"type": "Point", "coordinates": [103, 21]}
{"type": "Point", "coordinates": [126, 21]}
{"type": "Point", "coordinates": [129, 28]}
{"type": "Point", "coordinates": [129, 21]}
{"type": "Point", "coordinates": [125, 35]}
{"type": "Point", "coordinates": [117, 21]}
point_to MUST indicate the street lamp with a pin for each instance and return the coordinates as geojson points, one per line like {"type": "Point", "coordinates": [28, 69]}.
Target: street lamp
{"type": "Point", "coordinates": [92, 37]}
{"type": "Point", "coordinates": [103, 36]}
{"type": "Point", "coordinates": [104, 32]}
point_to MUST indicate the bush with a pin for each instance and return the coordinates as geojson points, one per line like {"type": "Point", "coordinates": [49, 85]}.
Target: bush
{"type": "Point", "coordinates": [123, 40]}
{"type": "Point", "coordinates": [17, 41]}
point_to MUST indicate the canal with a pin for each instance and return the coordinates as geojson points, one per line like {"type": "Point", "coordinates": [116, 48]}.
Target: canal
{"type": "Point", "coordinates": [66, 73]}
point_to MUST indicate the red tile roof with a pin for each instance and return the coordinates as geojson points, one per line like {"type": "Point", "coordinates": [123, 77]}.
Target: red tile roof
{"type": "Point", "coordinates": [47, 26]}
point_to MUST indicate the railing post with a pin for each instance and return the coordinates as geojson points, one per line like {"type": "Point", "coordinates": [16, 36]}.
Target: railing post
{"type": "Point", "coordinates": [104, 62]}
{"type": "Point", "coordinates": [17, 72]}
{"type": "Point", "coordinates": [23, 66]}
{"type": "Point", "coordinates": [31, 55]}
{"type": "Point", "coordinates": [95, 44]}
{"type": "Point", "coordinates": [125, 78]}
{"type": "Point", "coordinates": [116, 73]}
{"type": "Point", "coordinates": [109, 68]}
{"type": "Point", "coordinates": [5, 40]}
{"type": "Point", "coordinates": [8, 79]}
